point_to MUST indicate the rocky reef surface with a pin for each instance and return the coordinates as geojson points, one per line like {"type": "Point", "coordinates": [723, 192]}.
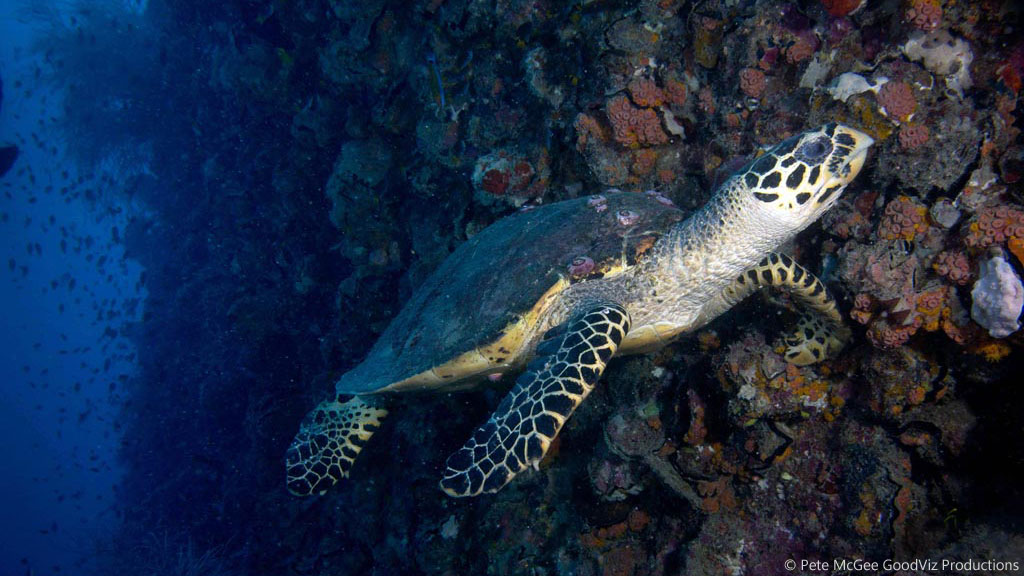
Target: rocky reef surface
{"type": "Point", "coordinates": [325, 156]}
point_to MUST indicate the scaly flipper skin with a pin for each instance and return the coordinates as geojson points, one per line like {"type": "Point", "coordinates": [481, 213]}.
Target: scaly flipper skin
{"type": "Point", "coordinates": [821, 330]}
{"type": "Point", "coordinates": [528, 419]}
{"type": "Point", "coordinates": [814, 340]}
{"type": "Point", "coordinates": [328, 441]}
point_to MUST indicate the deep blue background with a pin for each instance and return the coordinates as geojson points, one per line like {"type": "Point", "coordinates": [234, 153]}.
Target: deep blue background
{"type": "Point", "coordinates": [60, 376]}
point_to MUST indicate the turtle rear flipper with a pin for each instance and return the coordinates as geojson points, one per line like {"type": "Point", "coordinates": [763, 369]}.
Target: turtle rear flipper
{"type": "Point", "coordinates": [520, 431]}
{"type": "Point", "coordinates": [328, 441]}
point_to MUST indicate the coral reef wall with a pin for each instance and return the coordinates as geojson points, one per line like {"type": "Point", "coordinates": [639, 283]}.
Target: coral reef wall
{"type": "Point", "coordinates": [317, 159]}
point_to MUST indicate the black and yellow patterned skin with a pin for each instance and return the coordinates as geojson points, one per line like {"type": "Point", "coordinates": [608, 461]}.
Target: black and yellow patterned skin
{"type": "Point", "coordinates": [330, 438]}
{"type": "Point", "coordinates": [820, 331]}
{"type": "Point", "coordinates": [531, 415]}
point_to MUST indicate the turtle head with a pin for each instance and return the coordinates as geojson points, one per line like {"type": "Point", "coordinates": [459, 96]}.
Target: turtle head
{"type": "Point", "coordinates": [800, 178]}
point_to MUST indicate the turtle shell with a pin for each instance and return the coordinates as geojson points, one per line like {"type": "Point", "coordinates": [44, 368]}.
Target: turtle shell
{"type": "Point", "coordinates": [477, 313]}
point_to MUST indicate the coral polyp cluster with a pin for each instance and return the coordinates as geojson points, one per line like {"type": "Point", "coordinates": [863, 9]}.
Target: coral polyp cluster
{"type": "Point", "coordinates": [897, 99]}
{"type": "Point", "coordinates": [506, 176]}
{"type": "Point", "coordinates": [925, 14]}
{"type": "Point", "coordinates": [913, 136]}
{"type": "Point", "coordinates": [903, 219]}
{"type": "Point", "coordinates": [995, 224]}
{"type": "Point", "coordinates": [634, 126]}
{"type": "Point", "coordinates": [752, 82]}
{"type": "Point", "coordinates": [953, 266]}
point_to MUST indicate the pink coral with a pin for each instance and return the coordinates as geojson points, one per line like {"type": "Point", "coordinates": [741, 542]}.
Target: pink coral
{"type": "Point", "coordinates": [588, 129]}
{"type": "Point", "coordinates": [930, 304]}
{"type": "Point", "coordinates": [894, 314]}
{"type": "Point", "coordinates": [863, 304]}
{"type": "Point", "coordinates": [862, 301]}
{"type": "Point", "coordinates": [913, 136]}
{"type": "Point", "coordinates": [925, 14]}
{"type": "Point", "coordinates": [802, 49]}
{"type": "Point", "coordinates": [995, 225]}
{"type": "Point", "coordinates": [934, 305]}
{"type": "Point", "coordinates": [903, 219]}
{"type": "Point", "coordinates": [752, 82]}
{"type": "Point", "coordinates": [646, 93]}
{"type": "Point", "coordinates": [897, 99]}
{"type": "Point", "coordinates": [675, 91]}
{"type": "Point", "coordinates": [509, 177]}
{"type": "Point", "coordinates": [892, 322]}
{"type": "Point", "coordinates": [884, 335]}
{"type": "Point", "coordinates": [953, 266]}
{"type": "Point", "coordinates": [634, 127]}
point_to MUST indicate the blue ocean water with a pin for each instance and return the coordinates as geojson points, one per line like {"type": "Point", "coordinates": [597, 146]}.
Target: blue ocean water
{"type": "Point", "coordinates": [68, 293]}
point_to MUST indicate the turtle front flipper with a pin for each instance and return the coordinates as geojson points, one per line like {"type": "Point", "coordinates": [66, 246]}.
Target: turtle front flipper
{"type": "Point", "coordinates": [531, 415]}
{"type": "Point", "coordinates": [820, 331]}
{"type": "Point", "coordinates": [814, 340]}
{"type": "Point", "coordinates": [328, 441]}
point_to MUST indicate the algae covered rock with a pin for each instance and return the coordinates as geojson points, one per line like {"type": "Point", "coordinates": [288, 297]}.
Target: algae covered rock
{"type": "Point", "coordinates": [359, 170]}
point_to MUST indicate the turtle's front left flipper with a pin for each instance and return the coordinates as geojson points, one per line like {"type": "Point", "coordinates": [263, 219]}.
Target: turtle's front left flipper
{"type": "Point", "coordinates": [530, 416]}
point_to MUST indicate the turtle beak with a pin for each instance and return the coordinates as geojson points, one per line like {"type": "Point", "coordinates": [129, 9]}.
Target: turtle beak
{"type": "Point", "coordinates": [856, 158]}
{"type": "Point", "coordinates": [849, 152]}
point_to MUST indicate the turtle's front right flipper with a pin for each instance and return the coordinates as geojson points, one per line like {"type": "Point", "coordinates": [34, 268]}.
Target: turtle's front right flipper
{"type": "Point", "coordinates": [329, 439]}
{"type": "Point", "coordinates": [530, 416]}
{"type": "Point", "coordinates": [821, 331]}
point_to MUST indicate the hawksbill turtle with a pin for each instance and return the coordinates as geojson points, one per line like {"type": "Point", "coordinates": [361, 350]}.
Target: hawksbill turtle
{"type": "Point", "coordinates": [555, 292]}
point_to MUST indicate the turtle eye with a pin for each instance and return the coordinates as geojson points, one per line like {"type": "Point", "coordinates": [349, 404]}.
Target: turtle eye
{"type": "Point", "coordinates": [814, 151]}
